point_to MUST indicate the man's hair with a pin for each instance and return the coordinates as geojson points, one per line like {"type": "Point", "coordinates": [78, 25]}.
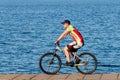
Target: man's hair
{"type": "Point", "coordinates": [66, 21]}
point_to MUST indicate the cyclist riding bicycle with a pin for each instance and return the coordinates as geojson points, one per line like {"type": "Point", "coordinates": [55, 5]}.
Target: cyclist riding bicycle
{"type": "Point", "coordinates": [77, 43]}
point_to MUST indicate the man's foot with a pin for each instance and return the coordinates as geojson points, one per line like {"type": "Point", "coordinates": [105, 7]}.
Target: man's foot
{"type": "Point", "coordinates": [69, 64]}
{"type": "Point", "coordinates": [77, 61]}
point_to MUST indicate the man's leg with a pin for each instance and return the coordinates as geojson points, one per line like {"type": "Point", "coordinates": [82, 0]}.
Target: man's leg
{"type": "Point", "coordinates": [78, 46]}
{"type": "Point", "coordinates": [67, 54]}
{"type": "Point", "coordinates": [67, 48]}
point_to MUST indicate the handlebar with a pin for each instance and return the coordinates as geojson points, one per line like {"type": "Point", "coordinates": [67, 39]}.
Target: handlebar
{"type": "Point", "coordinates": [58, 48]}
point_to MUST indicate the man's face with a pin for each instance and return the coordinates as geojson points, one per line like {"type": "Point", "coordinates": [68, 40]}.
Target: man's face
{"type": "Point", "coordinates": [65, 25]}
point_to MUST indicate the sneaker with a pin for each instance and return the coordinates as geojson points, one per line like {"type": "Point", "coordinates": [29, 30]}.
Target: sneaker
{"type": "Point", "coordinates": [77, 61]}
{"type": "Point", "coordinates": [69, 64]}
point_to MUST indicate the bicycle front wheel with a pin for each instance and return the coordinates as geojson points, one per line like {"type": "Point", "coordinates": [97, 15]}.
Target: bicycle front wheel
{"type": "Point", "coordinates": [88, 64]}
{"type": "Point", "coordinates": [50, 63]}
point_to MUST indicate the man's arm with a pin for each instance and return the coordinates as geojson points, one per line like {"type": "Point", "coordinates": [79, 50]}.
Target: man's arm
{"type": "Point", "coordinates": [64, 34]}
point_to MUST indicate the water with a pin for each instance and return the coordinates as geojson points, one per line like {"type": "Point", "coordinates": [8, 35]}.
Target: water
{"type": "Point", "coordinates": [26, 32]}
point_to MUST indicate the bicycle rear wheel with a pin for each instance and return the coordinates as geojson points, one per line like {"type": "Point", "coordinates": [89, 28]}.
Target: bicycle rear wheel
{"type": "Point", "coordinates": [50, 63]}
{"type": "Point", "coordinates": [89, 63]}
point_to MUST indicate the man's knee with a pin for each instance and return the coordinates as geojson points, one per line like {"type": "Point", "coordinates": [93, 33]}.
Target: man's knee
{"type": "Point", "coordinates": [65, 48]}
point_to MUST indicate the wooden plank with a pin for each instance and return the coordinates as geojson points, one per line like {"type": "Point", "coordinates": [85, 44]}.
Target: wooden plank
{"type": "Point", "coordinates": [109, 77]}
{"type": "Point", "coordinates": [25, 77]}
{"type": "Point", "coordinates": [59, 77]}
{"type": "Point", "coordinates": [8, 76]}
{"type": "Point", "coordinates": [75, 77]}
{"type": "Point", "coordinates": [92, 77]}
{"type": "Point", "coordinates": [42, 77]}
{"type": "Point", "coordinates": [118, 76]}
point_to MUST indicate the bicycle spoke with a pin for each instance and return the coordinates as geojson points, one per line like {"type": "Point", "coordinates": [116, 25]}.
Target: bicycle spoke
{"type": "Point", "coordinates": [50, 63]}
{"type": "Point", "coordinates": [88, 63]}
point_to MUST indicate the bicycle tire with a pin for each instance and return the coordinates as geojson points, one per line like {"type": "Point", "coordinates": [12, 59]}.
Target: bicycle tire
{"type": "Point", "coordinates": [46, 54]}
{"type": "Point", "coordinates": [95, 61]}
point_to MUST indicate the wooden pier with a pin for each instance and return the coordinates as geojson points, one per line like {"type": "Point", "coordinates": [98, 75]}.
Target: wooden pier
{"type": "Point", "coordinates": [59, 77]}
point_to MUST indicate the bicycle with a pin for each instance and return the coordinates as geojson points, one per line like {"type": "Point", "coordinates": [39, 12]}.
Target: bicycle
{"type": "Point", "coordinates": [53, 62]}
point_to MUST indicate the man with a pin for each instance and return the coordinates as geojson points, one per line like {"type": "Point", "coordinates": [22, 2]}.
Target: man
{"type": "Point", "coordinates": [77, 43]}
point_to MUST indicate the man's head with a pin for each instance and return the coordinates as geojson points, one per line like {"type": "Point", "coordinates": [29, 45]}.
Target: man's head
{"type": "Point", "coordinates": [66, 23]}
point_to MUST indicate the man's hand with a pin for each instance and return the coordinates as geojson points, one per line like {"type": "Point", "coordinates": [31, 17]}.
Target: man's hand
{"type": "Point", "coordinates": [56, 42]}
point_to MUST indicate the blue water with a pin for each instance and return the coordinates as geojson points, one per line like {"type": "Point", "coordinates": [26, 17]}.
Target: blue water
{"type": "Point", "coordinates": [26, 32]}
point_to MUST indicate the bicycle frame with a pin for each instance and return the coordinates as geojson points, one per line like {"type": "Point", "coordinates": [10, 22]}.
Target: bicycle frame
{"type": "Point", "coordinates": [73, 53]}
